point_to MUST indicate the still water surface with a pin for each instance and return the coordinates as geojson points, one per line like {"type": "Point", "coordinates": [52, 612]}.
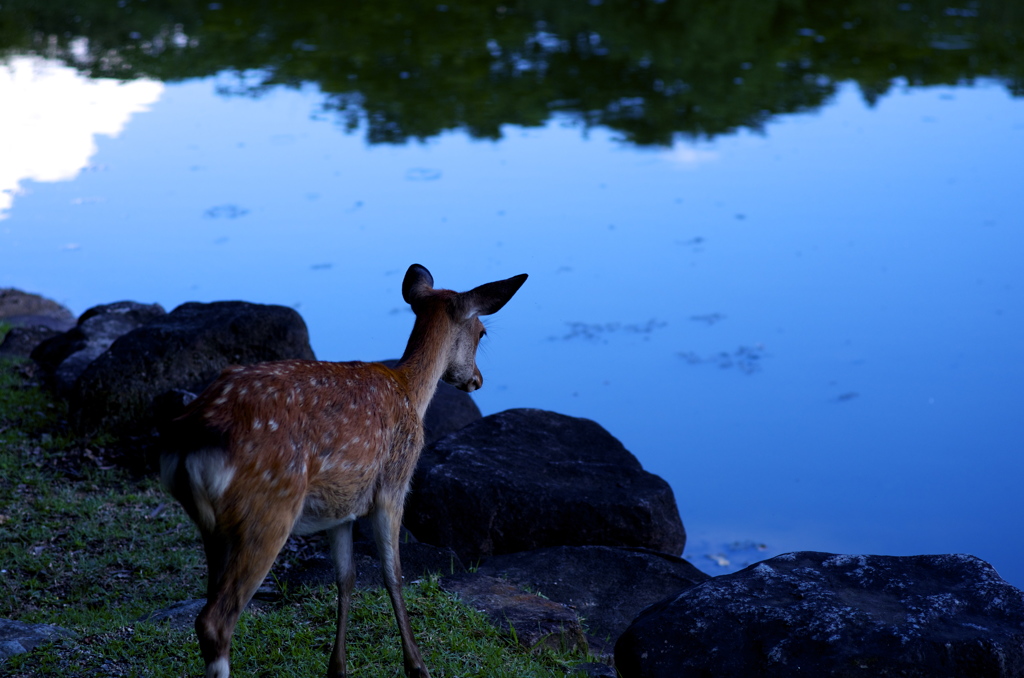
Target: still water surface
{"type": "Point", "coordinates": [811, 330]}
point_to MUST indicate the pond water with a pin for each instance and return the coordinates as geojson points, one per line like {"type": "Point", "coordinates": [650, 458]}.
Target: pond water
{"type": "Point", "coordinates": [808, 321]}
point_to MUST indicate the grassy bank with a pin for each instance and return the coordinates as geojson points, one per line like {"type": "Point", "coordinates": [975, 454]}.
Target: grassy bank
{"type": "Point", "coordinates": [87, 546]}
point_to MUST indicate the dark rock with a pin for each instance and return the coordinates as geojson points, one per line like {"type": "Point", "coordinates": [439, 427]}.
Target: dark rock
{"type": "Point", "coordinates": [362, 530]}
{"type": "Point", "coordinates": [526, 479]}
{"type": "Point", "coordinates": [418, 561]}
{"type": "Point", "coordinates": [818, 614]}
{"type": "Point", "coordinates": [185, 349]}
{"type": "Point", "coordinates": [22, 309]}
{"type": "Point", "coordinates": [65, 357]}
{"type": "Point", "coordinates": [318, 571]}
{"type": "Point", "coordinates": [449, 411]}
{"type": "Point", "coordinates": [594, 670]}
{"type": "Point", "coordinates": [21, 341]}
{"type": "Point", "coordinates": [181, 616]}
{"type": "Point", "coordinates": [58, 325]}
{"type": "Point", "coordinates": [170, 405]}
{"type": "Point", "coordinates": [17, 637]}
{"type": "Point", "coordinates": [533, 621]}
{"type": "Point", "coordinates": [607, 586]}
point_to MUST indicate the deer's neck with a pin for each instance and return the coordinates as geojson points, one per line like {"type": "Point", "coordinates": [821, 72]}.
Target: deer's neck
{"type": "Point", "coordinates": [425, 359]}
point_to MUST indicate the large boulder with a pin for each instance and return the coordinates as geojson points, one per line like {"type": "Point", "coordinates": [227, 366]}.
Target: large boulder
{"type": "Point", "coordinates": [185, 349]}
{"type": "Point", "coordinates": [19, 342]}
{"type": "Point", "coordinates": [33, 319]}
{"type": "Point", "coordinates": [525, 479]}
{"type": "Point", "coordinates": [607, 586]}
{"type": "Point", "coordinates": [63, 358]}
{"type": "Point", "coordinates": [822, 615]}
{"type": "Point", "coordinates": [24, 309]}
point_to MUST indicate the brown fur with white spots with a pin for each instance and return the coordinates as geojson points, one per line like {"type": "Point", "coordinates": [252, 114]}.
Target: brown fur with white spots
{"type": "Point", "coordinates": [302, 446]}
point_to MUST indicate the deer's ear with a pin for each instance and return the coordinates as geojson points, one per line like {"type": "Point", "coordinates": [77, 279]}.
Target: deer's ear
{"type": "Point", "coordinates": [418, 282]}
{"type": "Point", "coordinates": [489, 298]}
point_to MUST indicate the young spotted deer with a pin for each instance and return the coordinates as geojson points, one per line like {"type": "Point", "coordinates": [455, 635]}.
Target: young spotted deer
{"type": "Point", "coordinates": [299, 446]}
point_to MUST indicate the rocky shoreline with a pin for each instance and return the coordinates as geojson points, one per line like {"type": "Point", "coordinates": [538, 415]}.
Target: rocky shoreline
{"type": "Point", "coordinates": [545, 522]}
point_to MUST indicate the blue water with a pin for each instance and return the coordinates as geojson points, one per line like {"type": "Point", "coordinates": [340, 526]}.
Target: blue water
{"type": "Point", "coordinates": [812, 332]}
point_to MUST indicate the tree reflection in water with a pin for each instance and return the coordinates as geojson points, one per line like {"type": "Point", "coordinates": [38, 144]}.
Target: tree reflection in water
{"type": "Point", "coordinates": [650, 70]}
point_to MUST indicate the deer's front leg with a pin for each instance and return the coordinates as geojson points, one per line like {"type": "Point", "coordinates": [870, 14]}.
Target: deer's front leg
{"type": "Point", "coordinates": [387, 521]}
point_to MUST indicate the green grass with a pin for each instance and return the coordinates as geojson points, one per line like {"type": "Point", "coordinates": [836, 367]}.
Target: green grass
{"type": "Point", "coordinates": [87, 546]}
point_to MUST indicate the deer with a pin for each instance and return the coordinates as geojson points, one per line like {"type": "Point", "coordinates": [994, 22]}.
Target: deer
{"type": "Point", "coordinates": [302, 446]}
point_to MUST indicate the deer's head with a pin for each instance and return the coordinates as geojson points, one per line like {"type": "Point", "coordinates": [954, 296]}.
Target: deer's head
{"type": "Point", "coordinates": [461, 312]}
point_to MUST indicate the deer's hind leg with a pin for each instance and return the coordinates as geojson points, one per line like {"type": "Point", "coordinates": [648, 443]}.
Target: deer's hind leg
{"type": "Point", "coordinates": [340, 538]}
{"type": "Point", "coordinates": [240, 552]}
